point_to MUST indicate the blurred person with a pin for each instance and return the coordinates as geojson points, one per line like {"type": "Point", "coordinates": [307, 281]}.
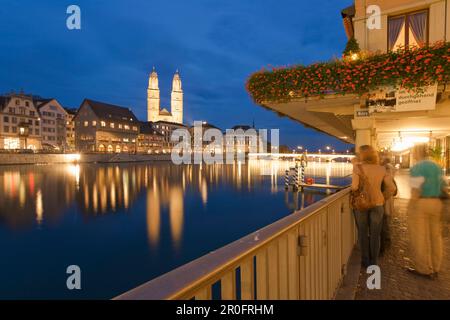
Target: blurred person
{"type": "Point", "coordinates": [388, 207]}
{"type": "Point", "coordinates": [424, 215]}
{"type": "Point", "coordinates": [368, 173]}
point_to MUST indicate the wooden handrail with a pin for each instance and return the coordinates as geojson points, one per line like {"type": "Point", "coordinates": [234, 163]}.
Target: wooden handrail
{"type": "Point", "coordinates": [180, 282]}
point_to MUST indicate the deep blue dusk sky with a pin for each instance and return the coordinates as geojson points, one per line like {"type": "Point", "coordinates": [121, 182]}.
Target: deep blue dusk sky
{"type": "Point", "coordinates": [216, 45]}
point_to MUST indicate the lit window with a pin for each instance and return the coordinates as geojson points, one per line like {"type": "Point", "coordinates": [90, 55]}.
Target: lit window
{"type": "Point", "coordinates": [94, 123]}
{"type": "Point", "coordinates": [408, 30]}
{"type": "Point", "coordinates": [112, 125]}
{"type": "Point", "coordinates": [134, 128]}
{"type": "Point", "coordinates": [86, 123]}
{"type": "Point", "coordinates": [120, 126]}
{"type": "Point", "coordinates": [127, 127]}
{"type": "Point", "coordinates": [103, 123]}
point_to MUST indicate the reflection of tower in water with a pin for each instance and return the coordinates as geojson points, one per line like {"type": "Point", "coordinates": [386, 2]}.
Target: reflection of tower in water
{"type": "Point", "coordinates": [153, 214]}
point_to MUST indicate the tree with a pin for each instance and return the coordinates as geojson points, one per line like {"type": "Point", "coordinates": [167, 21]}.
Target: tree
{"type": "Point", "coordinates": [351, 47]}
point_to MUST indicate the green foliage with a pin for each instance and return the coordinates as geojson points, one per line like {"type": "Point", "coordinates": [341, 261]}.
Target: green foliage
{"type": "Point", "coordinates": [351, 47]}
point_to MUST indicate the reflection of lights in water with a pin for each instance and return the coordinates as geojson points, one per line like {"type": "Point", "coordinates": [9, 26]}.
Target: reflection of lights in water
{"type": "Point", "coordinates": [95, 198]}
{"type": "Point", "coordinates": [39, 207]}
{"type": "Point", "coordinates": [153, 216]}
{"type": "Point", "coordinates": [204, 190]}
{"type": "Point", "coordinates": [86, 196]}
{"type": "Point", "coordinates": [74, 170]}
{"type": "Point", "coordinates": [125, 185]}
{"type": "Point", "coordinates": [112, 196]}
{"type": "Point", "coordinates": [103, 198]}
{"type": "Point", "coordinates": [176, 214]}
{"type": "Point", "coordinates": [22, 194]}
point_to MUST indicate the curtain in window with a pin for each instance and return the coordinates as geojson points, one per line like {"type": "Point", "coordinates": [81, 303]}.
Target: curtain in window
{"type": "Point", "coordinates": [418, 23]}
{"type": "Point", "coordinates": [395, 26]}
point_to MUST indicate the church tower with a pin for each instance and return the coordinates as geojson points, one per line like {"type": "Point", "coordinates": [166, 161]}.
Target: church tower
{"type": "Point", "coordinates": [153, 99]}
{"type": "Point", "coordinates": [176, 101]}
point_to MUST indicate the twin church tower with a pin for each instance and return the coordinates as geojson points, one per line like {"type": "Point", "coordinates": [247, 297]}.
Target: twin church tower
{"type": "Point", "coordinates": [154, 112]}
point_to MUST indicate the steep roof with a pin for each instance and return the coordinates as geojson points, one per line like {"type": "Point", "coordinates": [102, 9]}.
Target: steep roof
{"type": "Point", "coordinates": [3, 101]}
{"type": "Point", "coordinates": [40, 102]}
{"type": "Point", "coordinates": [348, 12]}
{"type": "Point", "coordinates": [147, 128]}
{"type": "Point", "coordinates": [169, 122]}
{"type": "Point", "coordinates": [165, 112]}
{"type": "Point", "coordinates": [110, 111]}
{"type": "Point", "coordinates": [242, 126]}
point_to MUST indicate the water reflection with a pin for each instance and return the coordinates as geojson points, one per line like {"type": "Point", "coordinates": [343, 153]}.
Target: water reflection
{"type": "Point", "coordinates": [39, 195]}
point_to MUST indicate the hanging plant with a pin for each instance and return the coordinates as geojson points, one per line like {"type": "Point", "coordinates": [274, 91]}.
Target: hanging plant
{"type": "Point", "coordinates": [408, 68]}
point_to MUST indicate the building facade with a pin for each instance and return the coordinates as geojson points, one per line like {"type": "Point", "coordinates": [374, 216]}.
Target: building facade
{"type": "Point", "coordinates": [388, 117]}
{"type": "Point", "coordinates": [103, 127]}
{"type": "Point", "coordinates": [70, 129]}
{"type": "Point", "coordinates": [150, 140]}
{"type": "Point", "coordinates": [166, 128]}
{"type": "Point", "coordinates": [20, 126]}
{"type": "Point", "coordinates": [53, 124]}
{"type": "Point", "coordinates": [154, 111]}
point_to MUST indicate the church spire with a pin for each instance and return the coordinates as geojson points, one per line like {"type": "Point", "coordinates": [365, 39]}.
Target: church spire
{"type": "Point", "coordinates": [153, 80]}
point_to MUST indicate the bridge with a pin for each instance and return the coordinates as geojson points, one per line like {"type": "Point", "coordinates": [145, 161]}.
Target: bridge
{"type": "Point", "coordinates": [309, 156]}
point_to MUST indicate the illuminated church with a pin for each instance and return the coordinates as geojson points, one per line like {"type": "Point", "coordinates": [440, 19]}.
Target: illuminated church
{"type": "Point", "coordinates": [154, 111]}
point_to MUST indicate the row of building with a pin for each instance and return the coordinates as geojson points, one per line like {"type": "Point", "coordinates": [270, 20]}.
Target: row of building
{"type": "Point", "coordinates": [30, 122]}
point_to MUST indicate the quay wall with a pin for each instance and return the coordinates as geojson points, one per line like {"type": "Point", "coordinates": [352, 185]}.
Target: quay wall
{"type": "Point", "coordinates": [40, 158]}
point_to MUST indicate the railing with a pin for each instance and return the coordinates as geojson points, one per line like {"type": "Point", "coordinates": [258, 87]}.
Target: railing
{"type": "Point", "coordinates": [302, 256]}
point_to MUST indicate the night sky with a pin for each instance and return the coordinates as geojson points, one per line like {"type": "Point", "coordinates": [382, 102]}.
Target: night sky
{"type": "Point", "coordinates": [215, 44]}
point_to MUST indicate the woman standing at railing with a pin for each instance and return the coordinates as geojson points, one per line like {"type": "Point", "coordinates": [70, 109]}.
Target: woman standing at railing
{"type": "Point", "coordinates": [367, 179]}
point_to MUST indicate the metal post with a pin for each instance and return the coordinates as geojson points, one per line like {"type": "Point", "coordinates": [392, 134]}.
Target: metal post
{"type": "Point", "coordinates": [295, 184]}
{"type": "Point", "coordinates": [286, 180]}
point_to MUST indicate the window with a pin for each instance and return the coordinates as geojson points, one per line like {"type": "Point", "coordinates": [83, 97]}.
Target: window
{"type": "Point", "coordinates": [17, 102]}
{"type": "Point", "coordinates": [14, 120]}
{"type": "Point", "coordinates": [5, 119]}
{"type": "Point", "coordinates": [94, 123]}
{"type": "Point", "coordinates": [111, 125]}
{"type": "Point", "coordinates": [86, 123]}
{"type": "Point", "coordinates": [127, 127]}
{"type": "Point", "coordinates": [14, 129]}
{"type": "Point", "coordinates": [22, 110]}
{"type": "Point", "coordinates": [11, 110]}
{"type": "Point", "coordinates": [36, 131]}
{"type": "Point", "coordinates": [134, 128]}
{"type": "Point", "coordinates": [103, 123]}
{"type": "Point", "coordinates": [6, 129]}
{"type": "Point", "coordinates": [120, 126]}
{"type": "Point", "coordinates": [27, 103]}
{"type": "Point", "coordinates": [408, 30]}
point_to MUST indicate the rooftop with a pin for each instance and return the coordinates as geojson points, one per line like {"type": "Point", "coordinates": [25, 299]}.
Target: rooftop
{"type": "Point", "coordinates": [110, 111]}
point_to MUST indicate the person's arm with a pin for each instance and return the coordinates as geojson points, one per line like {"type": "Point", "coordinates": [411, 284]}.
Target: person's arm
{"type": "Point", "coordinates": [355, 179]}
{"type": "Point", "coordinates": [389, 185]}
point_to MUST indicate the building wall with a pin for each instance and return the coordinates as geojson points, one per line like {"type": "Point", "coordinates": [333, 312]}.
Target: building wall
{"type": "Point", "coordinates": [53, 124]}
{"type": "Point", "coordinates": [150, 143]}
{"type": "Point", "coordinates": [85, 129]}
{"type": "Point", "coordinates": [20, 114]}
{"type": "Point", "coordinates": [377, 40]}
{"type": "Point", "coordinates": [70, 132]}
{"type": "Point", "coordinates": [100, 135]}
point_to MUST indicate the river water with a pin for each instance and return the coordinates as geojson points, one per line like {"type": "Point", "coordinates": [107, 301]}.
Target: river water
{"type": "Point", "coordinates": [124, 224]}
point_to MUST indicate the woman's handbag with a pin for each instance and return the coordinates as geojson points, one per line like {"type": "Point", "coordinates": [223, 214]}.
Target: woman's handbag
{"type": "Point", "coordinates": [360, 199]}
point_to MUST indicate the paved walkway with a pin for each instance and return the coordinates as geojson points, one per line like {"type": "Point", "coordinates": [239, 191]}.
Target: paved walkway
{"type": "Point", "coordinates": [396, 282]}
